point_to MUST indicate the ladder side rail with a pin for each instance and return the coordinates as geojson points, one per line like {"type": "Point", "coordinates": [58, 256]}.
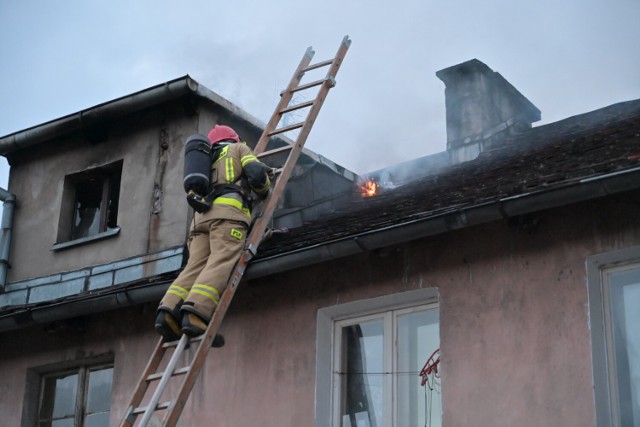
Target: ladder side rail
{"type": "Point", "coordinates": [177, 405]}
{"type": "Point", "coordinates": [262, 222]}
{"type": "Point", "coordinates": [175, 410]}
{"type": "Point", "coordinates": [284, 101]}
{"type": "Point", "coordinates": [256, 234]}
{"type": "Point", "coordinates": [254, 238]}
{"type": "Point", "coordinates": [168, 372]}
{"type": "Point", "coordinates": [129, 419]}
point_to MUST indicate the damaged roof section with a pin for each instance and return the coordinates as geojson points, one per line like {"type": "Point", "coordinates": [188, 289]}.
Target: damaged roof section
{"type": "Point", "coordinates": [576, 159]}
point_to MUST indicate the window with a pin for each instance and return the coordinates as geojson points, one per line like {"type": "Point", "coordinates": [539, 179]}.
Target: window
{"type": "Point", "coordinates": [90, 204]}
{"type": "Point", "coordinates": [75, 397]}
{"type": "Point", "coordinates": [375, 363]}
{"type": "Point", "coordinates": [614, 294]}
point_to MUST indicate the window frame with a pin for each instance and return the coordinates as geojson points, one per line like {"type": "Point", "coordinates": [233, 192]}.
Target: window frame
{"type": "Point", "coordinates": [338, 388]}
{"type": "Point", "coordinates": [111, 180]}
{"type": "Point", "coordinates": [326, 411]}
{"type": "Point", "coordinates": [34, 390]}
{"type": "Point", "coordinates": [599, 268]}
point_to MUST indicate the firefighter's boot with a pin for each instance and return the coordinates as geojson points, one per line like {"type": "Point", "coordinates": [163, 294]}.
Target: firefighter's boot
{"type": "Point", "coordinates": [193, 326]}
{"type": "Point", "coordinates": [167, 323]}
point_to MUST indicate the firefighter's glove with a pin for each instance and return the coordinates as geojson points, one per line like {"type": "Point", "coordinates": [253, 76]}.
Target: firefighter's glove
{"type": "Point", "coordinates": [271, 173]}
{"type": "Point", "coordinates": [272, 231]}
{"type": "Point", "coordinates": [197, 202]}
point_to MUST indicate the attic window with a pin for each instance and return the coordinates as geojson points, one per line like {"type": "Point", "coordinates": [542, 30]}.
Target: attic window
{"type": "Point", "coordinates": [90, 205]}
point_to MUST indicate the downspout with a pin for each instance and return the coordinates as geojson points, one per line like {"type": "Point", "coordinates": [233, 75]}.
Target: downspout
{"type": "Point", "coordinates": [5, 239]}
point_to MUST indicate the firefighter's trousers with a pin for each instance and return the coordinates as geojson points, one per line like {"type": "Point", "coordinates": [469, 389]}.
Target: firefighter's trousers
{"type": "Point", "coordinates": [215, 247]}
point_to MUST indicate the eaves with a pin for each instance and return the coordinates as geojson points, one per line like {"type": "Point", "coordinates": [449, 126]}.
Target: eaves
{"type": "Point", "coordinates": [448, 219]}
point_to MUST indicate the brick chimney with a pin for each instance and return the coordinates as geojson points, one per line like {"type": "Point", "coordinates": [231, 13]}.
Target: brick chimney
{"type": "Point", "coordinates": [481, 106]}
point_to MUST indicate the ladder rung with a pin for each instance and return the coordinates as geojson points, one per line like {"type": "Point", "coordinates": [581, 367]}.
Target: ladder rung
{"type": "Point", "coordinates": [297, 107]}
{"type": "Point", "coordinates": [286, 129]}
{"type": "Point", "coordinates": [274, 151]}
{"type": "Point", "coordinates": [159, 407]}
{"type": "Point", "coordinates": [175, 343]}
{"type": "Point", "coordinates": [318, 65]}
{"type": "Point", "coordinates": [312, 84]}
{"type": "Point", "coordinates": [157, 376]}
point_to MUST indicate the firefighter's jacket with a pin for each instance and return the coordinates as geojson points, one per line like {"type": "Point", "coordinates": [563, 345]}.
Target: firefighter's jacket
{"type": "Point", "coordinates": [232, 165]}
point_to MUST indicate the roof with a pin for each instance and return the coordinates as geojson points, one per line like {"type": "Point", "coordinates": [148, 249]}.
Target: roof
{"type": "Point", "coordinates": [169, 91]}
{"type": "Point", "coordinates": [581, 158]}
{"type": "Point", "coordinates": [561, 155]}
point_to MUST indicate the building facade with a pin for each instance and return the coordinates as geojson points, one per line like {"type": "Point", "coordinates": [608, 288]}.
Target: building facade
{"type": "Point", "coordinates": [518, 258]}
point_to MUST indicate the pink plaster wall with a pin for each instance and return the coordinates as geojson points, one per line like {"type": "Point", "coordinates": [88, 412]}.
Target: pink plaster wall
{"type": "Point", "coordinates": [513, 313]}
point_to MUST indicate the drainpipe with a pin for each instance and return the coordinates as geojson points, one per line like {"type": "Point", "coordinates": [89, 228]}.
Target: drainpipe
{"type": "Point", "coordinates": [5, 239]}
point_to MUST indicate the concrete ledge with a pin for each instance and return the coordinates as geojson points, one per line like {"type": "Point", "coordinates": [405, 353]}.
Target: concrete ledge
{"type": "Point", "coordinates": [73, 243]}
{"type": "Point", "coordinates": [101, 277]}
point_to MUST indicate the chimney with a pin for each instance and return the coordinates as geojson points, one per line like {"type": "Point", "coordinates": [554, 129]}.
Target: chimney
{"type": "Point", "coordinates": [481, 106]}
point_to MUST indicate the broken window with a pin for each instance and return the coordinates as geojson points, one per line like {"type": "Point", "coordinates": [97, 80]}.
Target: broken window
{"type": "Point", "coordinates": [377, 362]}
{"type": "Point", "coordinates": [78, 397]}
{"type": "Point", "coordinates": [90, 203]}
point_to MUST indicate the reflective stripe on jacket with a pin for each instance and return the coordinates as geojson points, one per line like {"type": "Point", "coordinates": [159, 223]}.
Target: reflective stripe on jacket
{"type": "Point", "coordinates": [234, 162]}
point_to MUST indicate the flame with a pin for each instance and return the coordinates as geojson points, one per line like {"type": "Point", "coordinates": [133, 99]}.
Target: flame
{"type": "Point", "coordinates": [370, 188]}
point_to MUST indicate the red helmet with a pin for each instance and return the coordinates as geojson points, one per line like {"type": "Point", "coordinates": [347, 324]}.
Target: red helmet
{"type": "Point", "coordinates": [222, 132]}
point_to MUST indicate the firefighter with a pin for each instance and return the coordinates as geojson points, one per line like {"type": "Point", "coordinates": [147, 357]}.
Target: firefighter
{"type": "Point", "coordinates": [216, 238]}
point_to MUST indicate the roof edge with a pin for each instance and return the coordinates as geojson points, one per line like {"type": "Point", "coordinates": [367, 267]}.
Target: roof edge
{"type": "Point", "coordinates": [579, 191]}
{"type": "Point", "coordinates": [112, 109]}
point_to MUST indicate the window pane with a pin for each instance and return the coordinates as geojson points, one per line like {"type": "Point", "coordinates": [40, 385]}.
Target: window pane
{"type": "Point", "coordinates": [59, 396]}
{"type": "Point", "coordinates": [418, 338]}
{"type": "Point", "coordinates": [99, 390]}
{"type": "Point", "coordinates": [67, 422]}
{"type": "Point", "coordinates": [363, 377]}
{"type": "Point", "coordinates": [625, 315]}
{"type": "Point", "coordinates": [97, 420]}
{"type": "Point", "coordinates": [114, 200]}
{"type": "Point", "coordinates": [87, 207]}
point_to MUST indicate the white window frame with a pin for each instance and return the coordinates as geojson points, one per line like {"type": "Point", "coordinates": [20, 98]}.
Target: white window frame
{"type": "Point", "coordinates": [327, 345]}
{"type": "Point", "coordinates": [599, 268]}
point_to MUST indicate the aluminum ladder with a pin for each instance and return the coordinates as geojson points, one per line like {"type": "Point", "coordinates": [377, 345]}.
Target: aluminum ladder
{"type": "Point", "coordinates": [258, 229]}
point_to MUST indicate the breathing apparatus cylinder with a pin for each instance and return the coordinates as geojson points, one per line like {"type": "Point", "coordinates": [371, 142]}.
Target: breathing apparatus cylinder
{"type": "Point", "coordinates": [197, 165]}
{"type": "Point", "coordinates": [197, 172]}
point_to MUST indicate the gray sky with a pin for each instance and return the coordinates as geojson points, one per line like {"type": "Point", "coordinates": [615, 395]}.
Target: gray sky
{"type": "Point", "coordinates": [568, 57]}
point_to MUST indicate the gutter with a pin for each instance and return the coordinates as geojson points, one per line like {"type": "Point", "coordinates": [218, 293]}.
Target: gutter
{"type": "Point", "coordinates": [9, 200]}
{"type": "Point", "coordinates": [110, 110]}
{"type": "Point", "coordinates": [455, 219]}
{"type": "Point", "coordinates": [128, 104]}
{"type": "Point", "coordinates": [89, 304]}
